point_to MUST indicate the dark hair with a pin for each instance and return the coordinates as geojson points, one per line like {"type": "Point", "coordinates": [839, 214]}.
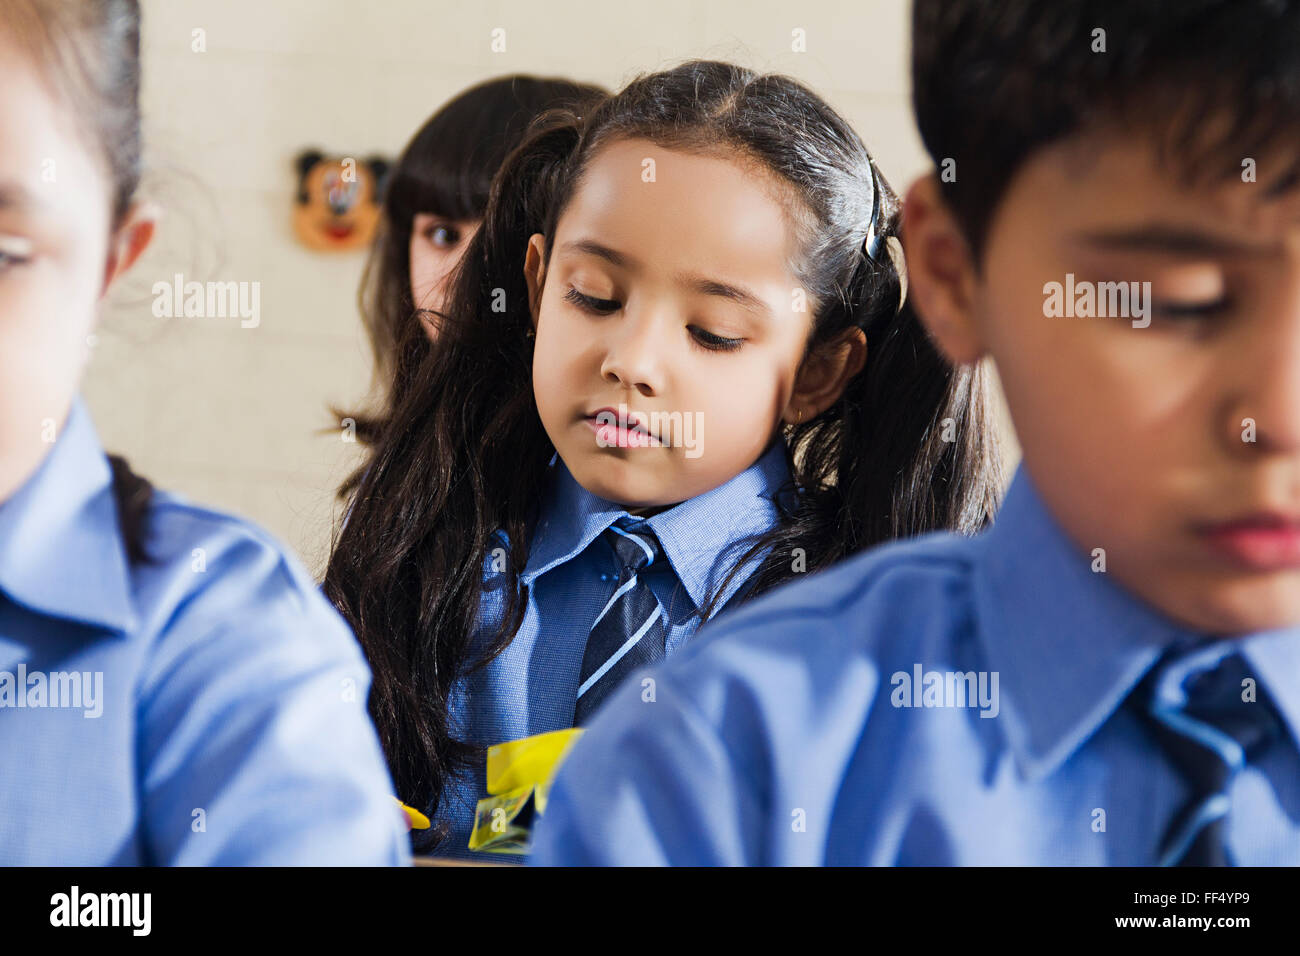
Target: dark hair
{"type": "Point", "coordinates": [996, 80]}
{"type": "Point", "coordinates": [466, 454]}
{"type": "Point", "coordinates": [446, 169]}
{"type": "Point", "coordinates": [90, 49]}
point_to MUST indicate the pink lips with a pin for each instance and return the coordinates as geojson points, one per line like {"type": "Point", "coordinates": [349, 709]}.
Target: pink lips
{"type": "Point", "coordinates": [611, 432]}
{"type": "Point", "coordinates": [1265, 542]}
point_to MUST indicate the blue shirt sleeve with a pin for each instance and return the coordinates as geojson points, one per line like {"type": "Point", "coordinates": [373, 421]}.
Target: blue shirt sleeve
{"type": "Point", "coordinates": [255, 745]}
{"type": "Point", "coordinates": [662, 791]}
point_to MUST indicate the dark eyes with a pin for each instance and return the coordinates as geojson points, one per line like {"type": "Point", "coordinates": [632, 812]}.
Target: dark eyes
{"type": "Point", "coordinates": [445, 236]}
{"type": "Point", "coordinates": [704, 338]}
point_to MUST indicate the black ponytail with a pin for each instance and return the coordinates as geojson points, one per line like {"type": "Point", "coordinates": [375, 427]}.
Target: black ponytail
{"type": "Point", "coordinates": [911, 446]}
{"type": "Point", "coordinates": [133, 495]}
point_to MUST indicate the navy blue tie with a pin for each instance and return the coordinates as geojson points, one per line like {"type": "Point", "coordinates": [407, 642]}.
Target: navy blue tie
{"type": "Point", "coordinates": [629, 632]}
{"type": "Point", "coordinates": [1210, 732]}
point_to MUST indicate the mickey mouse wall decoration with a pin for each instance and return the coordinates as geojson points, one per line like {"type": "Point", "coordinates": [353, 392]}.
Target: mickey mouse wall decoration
{"type": "Point", "coordinates": [338, 200]}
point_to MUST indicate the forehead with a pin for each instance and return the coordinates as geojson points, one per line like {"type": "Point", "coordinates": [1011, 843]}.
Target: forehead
{"type": "Point", "coordinates": [684, 210]}
{"type": "Point", "coordinates": [1111, 173]}
{"type": "Point", "coordinates": [41, 149]}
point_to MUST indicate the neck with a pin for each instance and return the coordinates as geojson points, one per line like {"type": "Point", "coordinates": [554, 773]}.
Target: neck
{"type": "Point", "coordinates": [647, 512]}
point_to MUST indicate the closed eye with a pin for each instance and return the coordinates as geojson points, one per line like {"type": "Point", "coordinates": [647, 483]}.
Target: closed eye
{"type": "Point", "coordinates": [15, 251]}
{"type": "Point", "coordinates": [591, 304]}
{"type": "Point", "coordinates": [1190, 310]}
{"type": "Point", "coordinates": [8, 259]}
{"type": "Point", "coordinates": [705, 339]}
{"type": "Point", "coordinates": [715, 343]}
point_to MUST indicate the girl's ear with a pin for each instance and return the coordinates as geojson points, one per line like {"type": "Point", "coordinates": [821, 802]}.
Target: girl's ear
{"type": "Point", "coordinates": [824, 375]}
{"type": "Point", "coordinates": [941, 273]}
{"type": "Point", "coordinates": [535, 273]}
{"type": "Point", "coordinates": [129, 242]}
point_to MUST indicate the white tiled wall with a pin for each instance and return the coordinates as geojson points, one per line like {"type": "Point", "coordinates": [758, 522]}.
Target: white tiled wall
{"type": "Point", "coordinates": [232, 416]}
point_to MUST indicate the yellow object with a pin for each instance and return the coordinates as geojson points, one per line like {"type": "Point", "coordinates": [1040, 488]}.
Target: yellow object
{"type": "Point", "coordinates": [519, 775]}
{"type": "Point", "coordinates": [414, 817]}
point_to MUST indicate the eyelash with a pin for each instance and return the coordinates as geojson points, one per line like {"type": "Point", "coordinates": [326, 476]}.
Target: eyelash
{"type": "Point", "coordinates": [1190, 313]}
{"type": "Point", "coordinates": [8, 260]}
{"type": "Point", "coordinates": [703, 338]}
{"type": "Point", "coordinates": [715, 343]}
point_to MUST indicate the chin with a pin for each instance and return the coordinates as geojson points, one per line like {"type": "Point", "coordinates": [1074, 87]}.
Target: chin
{"type": "Point", "coordinates": [1239, 609]}
{"type": "Point", "coordinates": [620, 481]}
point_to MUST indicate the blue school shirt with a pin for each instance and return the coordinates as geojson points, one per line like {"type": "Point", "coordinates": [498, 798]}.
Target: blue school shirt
{"type": "Point", "coordinates": [781, 736]}
{"type": "Point", "coordinates": [531, 688]}
{"type": "Point", "coordinates": [208, 707]}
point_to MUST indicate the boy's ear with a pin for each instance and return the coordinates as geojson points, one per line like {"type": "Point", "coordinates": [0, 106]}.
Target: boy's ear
{"type": "Point", "coordinates": [129, 242]}
{"type": "Point", "coordinates": [824, 375]}
{"type": "Point", "coordinates": [535, 272]}
{"type": "Point", "coordinates": [941, 273]}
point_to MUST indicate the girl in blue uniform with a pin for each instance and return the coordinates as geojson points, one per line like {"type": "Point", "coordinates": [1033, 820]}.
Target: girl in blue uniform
{"type": "Point", "coordinates": [173, 689]}
{"type": "Point", "coordinates": [675, 369]}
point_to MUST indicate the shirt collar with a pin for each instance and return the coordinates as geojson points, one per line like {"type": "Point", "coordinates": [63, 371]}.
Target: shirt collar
{"type": "Point", "coordinates": [697, 535]}
{"type": "Point", "coordinates": [1068, 643]}
{"type": "Point", "coordinates": [1276, 656]}
{"type": "Point", "coordinates": [61, 550]}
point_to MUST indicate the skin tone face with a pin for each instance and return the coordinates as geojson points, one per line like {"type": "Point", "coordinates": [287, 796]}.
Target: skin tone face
{"type": "Point", "coordinates": [437, 245]}
{"type": "Point", "coordinates": [57, 259]}
{"type": "Point", "coordinates": [1137, 438]}
{"type": "Point", "coordinates": [672, 296]}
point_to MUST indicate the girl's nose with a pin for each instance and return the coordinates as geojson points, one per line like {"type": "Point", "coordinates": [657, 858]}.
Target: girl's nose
{"type": "Point", "coordinates": [633, 355]}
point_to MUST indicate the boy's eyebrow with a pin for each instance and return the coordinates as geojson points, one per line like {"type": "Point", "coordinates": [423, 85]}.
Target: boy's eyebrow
{"type": "Point", "coordinates": [1176, 240]}
{"type": "Point", "coordinates": [694, 281]}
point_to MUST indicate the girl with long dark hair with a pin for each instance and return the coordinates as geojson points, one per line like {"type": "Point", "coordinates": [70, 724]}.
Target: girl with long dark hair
{"type": "Point", "coordinates": [675, 369]}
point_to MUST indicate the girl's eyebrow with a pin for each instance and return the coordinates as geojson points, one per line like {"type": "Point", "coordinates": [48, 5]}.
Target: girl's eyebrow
{"type": "Point", "coordinates": [738, 294]}
{"type": "Point", "coordinates": [692, 280]}
{"type": "Point", "coordinates": [18, 198]}
{"type": "Point", "coordinates": [593, 248]}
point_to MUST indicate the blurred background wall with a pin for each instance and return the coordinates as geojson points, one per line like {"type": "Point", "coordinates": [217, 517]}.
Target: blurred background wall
{"type": "Point", "coordinates": [237, 417]}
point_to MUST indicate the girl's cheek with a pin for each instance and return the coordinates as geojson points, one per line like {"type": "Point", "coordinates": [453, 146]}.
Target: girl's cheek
{"type": "Point", "coordinates": [423, 276]}
{"type": "Point", "coordinates": [48, 308]}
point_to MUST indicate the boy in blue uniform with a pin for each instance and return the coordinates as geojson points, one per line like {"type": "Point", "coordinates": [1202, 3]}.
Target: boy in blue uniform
{"type": "Point", "coordinates": [1110, 674]}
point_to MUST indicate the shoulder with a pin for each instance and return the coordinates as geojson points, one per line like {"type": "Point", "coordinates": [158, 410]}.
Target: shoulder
{"type": "Point", "coordinates": [211, 573]}
{"type": "Point", "coordinates": [869, 606]}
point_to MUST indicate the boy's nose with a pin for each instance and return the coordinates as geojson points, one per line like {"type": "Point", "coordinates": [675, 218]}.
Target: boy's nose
{"type": "Point", "coordinates": [1270, 379]}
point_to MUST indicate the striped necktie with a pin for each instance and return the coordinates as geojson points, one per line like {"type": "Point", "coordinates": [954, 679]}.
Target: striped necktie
{"type": "Point", "coordinates": [629, 632]}
{"type": "Point", "coordinates": [1210, 732]}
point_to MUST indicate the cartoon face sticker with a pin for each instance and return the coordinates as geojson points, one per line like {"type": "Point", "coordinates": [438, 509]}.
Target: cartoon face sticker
{"type": "Point", "coordinates": [338, 202]}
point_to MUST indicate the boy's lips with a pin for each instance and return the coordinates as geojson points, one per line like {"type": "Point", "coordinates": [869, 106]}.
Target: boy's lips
{"type": "Point", "coordinates": [1266, 541]}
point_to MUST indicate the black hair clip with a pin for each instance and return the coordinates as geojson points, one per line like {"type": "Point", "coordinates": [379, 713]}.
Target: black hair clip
{"type": "Point", "coordinates": [893, 245]}
{"type": "Point", "coordinates": [872, 244]}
